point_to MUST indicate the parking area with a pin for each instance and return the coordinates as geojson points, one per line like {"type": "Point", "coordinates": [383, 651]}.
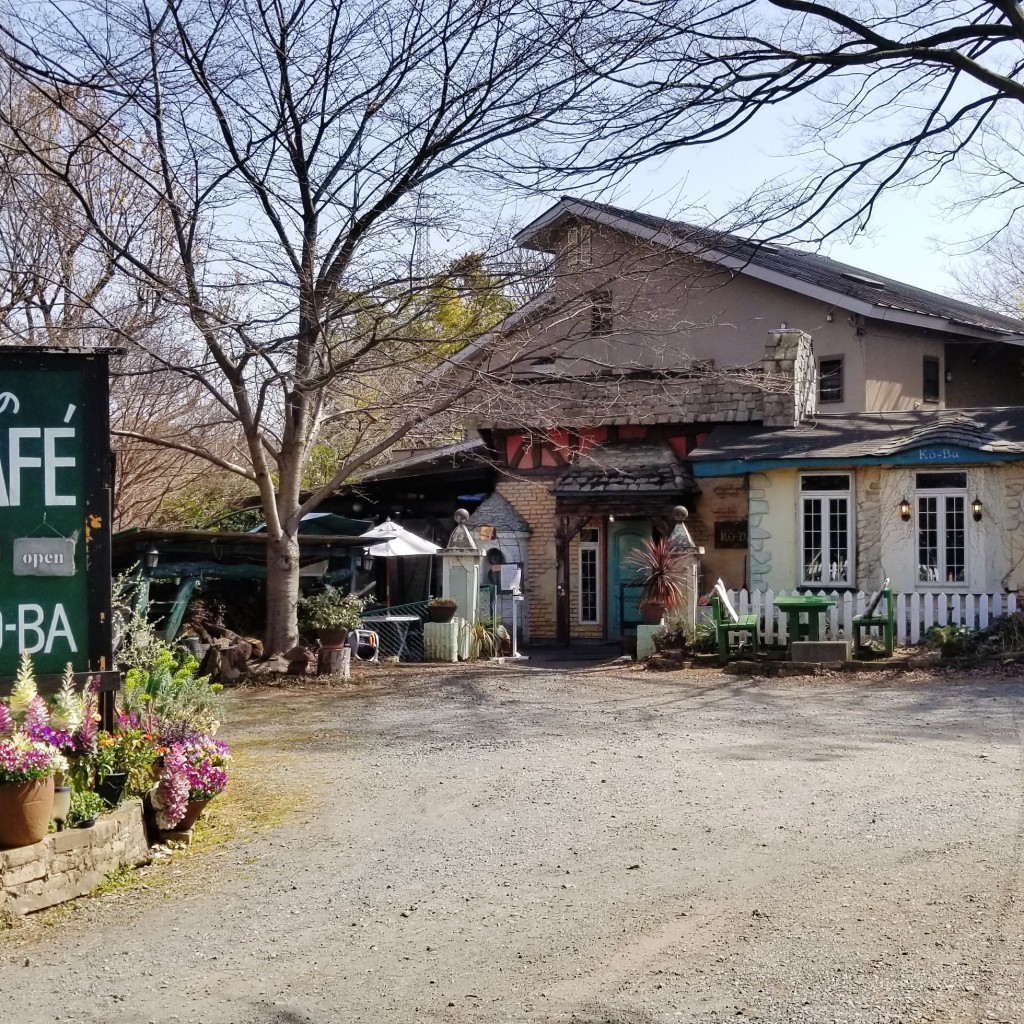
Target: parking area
{"type": "Point", "coordinates": [515, 845]}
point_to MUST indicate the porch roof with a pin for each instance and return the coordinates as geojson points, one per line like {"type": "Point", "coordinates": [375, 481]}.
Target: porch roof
{"type": "Point", "coordinates": [631, 469]}
{"type": "Point", "coordinates": [920, 436]}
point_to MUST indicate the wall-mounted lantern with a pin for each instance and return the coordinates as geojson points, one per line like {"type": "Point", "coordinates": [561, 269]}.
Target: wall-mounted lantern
{"type": "Point", "coordinates": [906, 510]}
{"type": "Point", "coordinates": [152, 557]}
{"type": "Point", "coordinates": [977, 509]}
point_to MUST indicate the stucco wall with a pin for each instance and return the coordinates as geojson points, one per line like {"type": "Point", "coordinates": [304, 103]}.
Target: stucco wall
{"type": "Point", "coordinates": [670, 310]}
{"type": "Point", "coordinates": [894, 367]}
{"type": "Point", "coordinates": [885, 545]}
{"type": "Point", "coordinates": [984, 375]}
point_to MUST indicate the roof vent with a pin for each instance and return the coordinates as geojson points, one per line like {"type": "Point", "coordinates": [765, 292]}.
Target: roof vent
{"type": "Point", "coordinates": [861, 279]}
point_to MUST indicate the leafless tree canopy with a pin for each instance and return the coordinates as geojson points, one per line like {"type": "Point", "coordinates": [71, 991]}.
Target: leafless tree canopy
{"type": "Point", "coordinates": [902, 92]}
{"type": "Point", "coordinates": [284, 160]}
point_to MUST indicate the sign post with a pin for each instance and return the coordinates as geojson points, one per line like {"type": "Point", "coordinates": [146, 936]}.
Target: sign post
{"type": "Point", "coordinates": [55, 502]}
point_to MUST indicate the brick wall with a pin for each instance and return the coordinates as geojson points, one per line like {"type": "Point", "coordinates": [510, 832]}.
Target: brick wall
{"type": "Point", "coordinates": [536, 504]}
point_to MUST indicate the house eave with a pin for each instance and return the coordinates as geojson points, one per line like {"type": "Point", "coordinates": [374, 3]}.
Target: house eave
{"type": "Point", "coordinates": [531, 237]}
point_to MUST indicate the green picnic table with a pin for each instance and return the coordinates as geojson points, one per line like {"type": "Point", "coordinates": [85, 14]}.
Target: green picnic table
{"type": "Point", "coordinates": [799, 605]}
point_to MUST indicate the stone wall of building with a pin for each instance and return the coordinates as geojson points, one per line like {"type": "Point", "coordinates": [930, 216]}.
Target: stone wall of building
{"type": "Point", "coordinates": [72, 863]}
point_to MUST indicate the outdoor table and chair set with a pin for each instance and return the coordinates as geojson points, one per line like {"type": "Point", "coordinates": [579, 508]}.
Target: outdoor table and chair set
{"type": "Point", "coordinates": [803, 623]}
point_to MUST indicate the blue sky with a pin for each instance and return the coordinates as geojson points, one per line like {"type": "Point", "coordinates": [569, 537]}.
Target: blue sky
{"type": "Point", "coordinates": [913, 236]}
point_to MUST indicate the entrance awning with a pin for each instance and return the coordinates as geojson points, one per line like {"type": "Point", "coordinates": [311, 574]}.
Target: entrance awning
{"type": "Point", "coordinates": [619, 479]}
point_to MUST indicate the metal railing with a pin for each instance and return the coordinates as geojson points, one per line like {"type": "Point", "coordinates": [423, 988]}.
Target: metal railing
{"type": "Point", "coordinates": [399, 629]}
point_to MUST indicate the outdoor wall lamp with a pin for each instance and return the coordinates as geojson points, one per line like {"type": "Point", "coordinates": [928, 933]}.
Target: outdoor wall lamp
{"type": "Point", "coordinates": [905, 510]}
{"type": "Point", "coordinates": [152, 557]}
{"type": "Point", "coordinates": [977, 508]}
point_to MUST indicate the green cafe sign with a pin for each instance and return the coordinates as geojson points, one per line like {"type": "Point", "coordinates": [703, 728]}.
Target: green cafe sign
{"type": "Point", "coordinates": [54, 510]}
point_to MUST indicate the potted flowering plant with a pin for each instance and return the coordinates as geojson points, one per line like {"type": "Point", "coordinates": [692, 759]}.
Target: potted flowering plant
{"type": "Point", "coordinates": [330, 615]}
{"type": "Point", "coordinates": [124, 760]}
{"type": "Point", "coordinates": [27, 770]}
{"type": "Point", "coordinates": [194, 772]}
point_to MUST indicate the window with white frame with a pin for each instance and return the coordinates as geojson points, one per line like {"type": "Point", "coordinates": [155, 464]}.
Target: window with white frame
{"type": "Point", "coordinates": [826, 530]}
{"type": "Point", "coordinates": [579, 250]}
{"type": "Point", "coordinates": [941, 528]}
{"type": "Point", "coordinates": [589, 580]}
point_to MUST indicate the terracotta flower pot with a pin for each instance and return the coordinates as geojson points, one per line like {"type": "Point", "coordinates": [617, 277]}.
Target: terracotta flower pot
{"type": "Point", "coordinates": [653, 612]}
{"type": "Point", "coordinates": [193, 813]}
{"type": "Point", "coordinates": [332, 637]}
{"type": "Point", "coordinates": [25, 810]}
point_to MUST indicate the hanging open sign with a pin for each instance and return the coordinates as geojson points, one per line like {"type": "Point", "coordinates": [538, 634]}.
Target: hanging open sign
{"type": "Point", "coordinates": [44, 556]}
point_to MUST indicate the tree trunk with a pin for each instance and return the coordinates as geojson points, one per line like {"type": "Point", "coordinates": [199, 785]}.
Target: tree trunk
{"type": "Point", "coordinates": [282, 593]}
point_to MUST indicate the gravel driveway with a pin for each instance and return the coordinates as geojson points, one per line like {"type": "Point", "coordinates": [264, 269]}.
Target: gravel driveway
{"type": "Point", "coordinates": [530, 846]}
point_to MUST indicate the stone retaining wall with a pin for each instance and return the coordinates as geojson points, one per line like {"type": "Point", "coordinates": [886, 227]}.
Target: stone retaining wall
{"type": "Point", "coordinates": [72, 863]}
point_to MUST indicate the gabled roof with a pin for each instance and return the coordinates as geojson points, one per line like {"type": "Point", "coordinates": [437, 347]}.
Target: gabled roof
{"type": "Point", "coordinates": [635, 468]}
{"type": "Point", "coordinates": [994, 434]}
{"type": "Point", "coordinates": [497, 510]}
{"type": "Point", "coordinates": [819, 277]}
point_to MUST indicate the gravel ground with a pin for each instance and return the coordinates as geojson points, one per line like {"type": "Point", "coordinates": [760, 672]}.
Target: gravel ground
{"type": "Point", "coordinates": [535, 846]}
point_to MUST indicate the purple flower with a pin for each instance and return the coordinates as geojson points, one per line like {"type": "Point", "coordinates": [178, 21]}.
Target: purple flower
{"type": "Point", "coordinates": [172, 791]}
{"type": "Point", "coordinates": [37, 715]}
{"type": "Point", "coordinates": [6, 721]}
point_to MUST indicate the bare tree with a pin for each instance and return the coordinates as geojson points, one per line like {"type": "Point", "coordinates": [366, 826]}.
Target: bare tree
{"type": "Point", "coordinates": [298, 150]}
{"type": "Point", "coordinates": [901, 93]}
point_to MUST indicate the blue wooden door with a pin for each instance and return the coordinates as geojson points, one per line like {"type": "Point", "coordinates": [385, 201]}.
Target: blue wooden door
{"type": "Point", "coordinates": [623, 597]}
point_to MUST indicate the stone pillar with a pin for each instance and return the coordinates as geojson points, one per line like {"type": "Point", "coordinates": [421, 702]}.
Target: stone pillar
{"type": "Point", "coordinates": [460, 578]}
{"type": "Point", "coordinates": [681, 539]}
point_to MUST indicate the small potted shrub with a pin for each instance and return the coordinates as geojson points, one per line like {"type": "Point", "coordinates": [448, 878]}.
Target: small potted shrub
{"type": "Point", "coordinates": [442, 609]}
{"type": "Point", "coordinates": [661, 570]}
{"type": "Point", "coordinates": [331, 615]}
{"type": "Point", "coordinates": [673, 636]}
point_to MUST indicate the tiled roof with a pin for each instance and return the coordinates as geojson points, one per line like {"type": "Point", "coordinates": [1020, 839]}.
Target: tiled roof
{"type": "Point", "coordinates": [626, 399]}
{"type": "Point", "coordinates": [497, 510]}
{"type": "Point", "coordinates": [885, 294]}
{"type": "Point", "coordinates": [637, 468]}
{"type": "Point", "coordinates": [869, 434]}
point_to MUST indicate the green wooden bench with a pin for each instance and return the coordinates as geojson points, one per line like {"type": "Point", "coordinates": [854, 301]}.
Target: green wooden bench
{"type": "Point", "coordinates": [874, 618]}
{"type": "Point", "coordinates": [728, 622]}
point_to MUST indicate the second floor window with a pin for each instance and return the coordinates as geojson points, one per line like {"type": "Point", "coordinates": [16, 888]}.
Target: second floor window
{"type": "Point", "coordinates": [578, 252]}
{"type": "Point", "coordinates": [930, 390]}
{"type": "Point", "coordinates": [830, 380]}
{"type": "Point", "coordinates": [601, 312]}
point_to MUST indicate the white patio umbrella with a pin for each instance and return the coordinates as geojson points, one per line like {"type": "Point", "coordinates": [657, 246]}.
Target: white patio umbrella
{"type": "Point", "coordinates": [396, 542]}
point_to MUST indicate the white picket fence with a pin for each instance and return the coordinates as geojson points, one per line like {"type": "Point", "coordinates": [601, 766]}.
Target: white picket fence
{"type": "Point", "coordinates": [916, 613]}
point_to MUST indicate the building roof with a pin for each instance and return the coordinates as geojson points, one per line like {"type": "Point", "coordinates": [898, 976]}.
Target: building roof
{"type": "Point", "coordinates": [496, 510]}
{"type": "Point", "coordinates": [859, 291]}
{"type": "Point", "coordinates": [630, 468]}
{"type": "Point", "coordinates": [878, 436]}
{"type": "Point", "coordinates": [452, 456]}
{"type": "Point", "coordinates": [638, 398]}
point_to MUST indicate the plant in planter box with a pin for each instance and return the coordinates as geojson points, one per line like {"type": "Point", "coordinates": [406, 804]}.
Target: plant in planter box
{"type": "Point", "coordinates": [85, 806]}
{"type": "Point", "coordinates": [661, 569]}
{"type": "Point", "coordinates": [331, 615]}
{"type": "Point", "coordinates": [675, 635]}
{"type": "Point", "coordinates": [442, 609]}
